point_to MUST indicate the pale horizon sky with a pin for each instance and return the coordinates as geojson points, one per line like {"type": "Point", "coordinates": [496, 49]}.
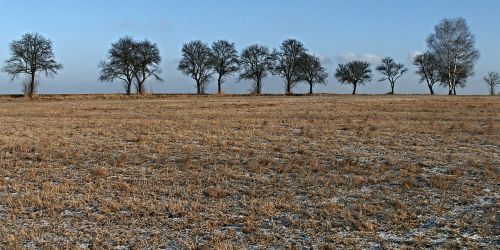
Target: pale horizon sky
{"type": "Point", "coordinates": [336, 30]}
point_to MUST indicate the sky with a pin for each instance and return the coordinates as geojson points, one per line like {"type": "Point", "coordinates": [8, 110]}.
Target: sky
{"type": "Point", "coordinates": [336, 30]}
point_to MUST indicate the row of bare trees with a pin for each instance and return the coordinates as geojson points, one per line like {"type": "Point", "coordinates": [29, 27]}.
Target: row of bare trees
{"type": "Point", "coordinates": [449, 60]}
{"type": "Point", "coordinates": [291, 61]}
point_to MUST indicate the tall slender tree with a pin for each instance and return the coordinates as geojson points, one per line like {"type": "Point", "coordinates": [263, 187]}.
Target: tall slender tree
{"type": "Point", "coordinates": [311, 71]}
{"type": "Point", "coordinates": [454, 46]}
{"type": "Point", "coordinates": [224, 61]}
{"type": "Point", "coordinates": [428, 69]}
{"type": "Point", "coordinates": [255, 63]}
{"type": "Point", "coordinates": [286, 62]}
{"type": "Point", "coordinates": [492, 79]}
{"type": "Point", "coordinates": [391, 71]}
{"type": "Point", "coordinates": [196, 62]}
{"type": "Point", "coordinates": [31, 55]}
{"type": "Point", "coordinates": [355, 73]}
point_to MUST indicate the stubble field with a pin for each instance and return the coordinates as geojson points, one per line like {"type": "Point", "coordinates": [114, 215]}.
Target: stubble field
{"type": "Point", "coordinates": [249, 172]}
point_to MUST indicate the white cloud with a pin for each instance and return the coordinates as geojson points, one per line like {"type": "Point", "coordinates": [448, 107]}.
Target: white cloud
{"type": "Point", "coordinates": [349, 57]}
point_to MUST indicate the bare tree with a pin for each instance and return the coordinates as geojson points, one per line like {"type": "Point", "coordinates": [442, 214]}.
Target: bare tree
{"type": "Point", "coordinates": [146, 63]}
{"type": "Point", "coordinates": [120, 63]}
{"type": "Point", "coordinates": [311, 71]}
{"type": "Point", "coordinates": [492, 79]}
{"type": "Point", "coordinates": [30, 56]}
{"type": "Point", "coordinates": [224, 61]}
{"type": "Point", "coordinates": [255, 64]}
{"type": "Point", "coordinates": [196, 63]}
{"type": "Point", "coordinates": [428, 69]}
{"type": "Point", "coordinates": [286, 62]}
{"type": "Point", "coordinates": [453, 44]}
{"type": "Point", "coordinates": [355, 72]}
{"type": "Point", "coordinates": [391, 71]}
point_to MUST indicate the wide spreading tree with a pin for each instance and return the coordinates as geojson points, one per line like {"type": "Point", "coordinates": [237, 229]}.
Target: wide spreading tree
{"type": "Point", "coordinates": [32, 55]}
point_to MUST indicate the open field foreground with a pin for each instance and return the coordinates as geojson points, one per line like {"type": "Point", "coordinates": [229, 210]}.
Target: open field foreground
{"type": "Point", "coordinates": [254, 172]}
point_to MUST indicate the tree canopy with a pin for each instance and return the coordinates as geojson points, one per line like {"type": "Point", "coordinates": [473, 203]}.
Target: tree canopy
{"type": "Point", "coordinates": [453, 44]}
{"type": "Point", "coordinates": [428, 69]}
{"type": "Point", "coordinates": [224, 61]}
{"type": "Point", "coordinates": [196, 62]}
{"type": "Point", "coordinates": [255, 64]}
{"type": "Point", "coordinates": [311, 71]}
{"type": "Point", "coordinates": [391, 71]}
{"type": "Point", "coordinates": [133, 62]}
{"type": "Point", "coordinates": [492, 79]}
{"type": "Point", "coordinates": [286, 62]}
{"type": "Point", "coordinates": [355, 73]}
{"type": "Point", "coordinates": [31, 55]}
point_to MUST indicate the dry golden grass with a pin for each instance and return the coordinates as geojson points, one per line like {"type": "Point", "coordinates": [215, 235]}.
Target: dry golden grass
{"type": "Point", "coordinates": [227, 171]}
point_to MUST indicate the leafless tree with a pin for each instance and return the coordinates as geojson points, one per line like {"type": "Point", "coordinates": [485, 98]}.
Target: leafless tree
{"type": "Point", "coordinates": [146, 63]}
{"type": "Point", "coordinates": [355, 72]}
{"type": "Point", "coordinates": [453, 44]}
{"type": "Point", "coordinates": [224, 61]}
{"type": "Point", "coordinates": [286, 62]}
{"type": "Point", "coordinates": [311, 71]}
{"type": "Point", "coordinates": [255, 64]}
{"type": "Point", "coordinates": [391, 71]}
{"type": "Point", "coordinates": [120, 63]}
{"type": "Point", "coordinates": [492, 79]}
{"type": "Point", "coordinates": [31, 55]}
{"type": "Point", "coordinates": [196, 63]}
{"type": "Point", "coordinates": [428, 69]}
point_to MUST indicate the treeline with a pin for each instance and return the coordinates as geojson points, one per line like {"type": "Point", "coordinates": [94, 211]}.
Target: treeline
{"type": "Point", "coordinates": [448, 62]}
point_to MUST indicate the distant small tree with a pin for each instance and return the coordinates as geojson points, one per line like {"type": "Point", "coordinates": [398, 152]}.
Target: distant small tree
{"type": "Point", "coordinates": [286, 62]}
{"type": "Point", "coordinates": [146, 63]}
{"type": "Point", "coordinates": [120, 63]}
{"type": "Point", "coordinates": [224, 61]}
{"type": "Point", "coordinates": [356, 72]}
{"type": "Point", "coordinates": [428, 69]}
{"type": "Point", "coordinates": [453, 44]}
{"type": "Point", "coordinates": [492, 79]}
{"type": "Point", "coordinates": [391, 71]}
{"type": "Point", "coordinates": [30, 56]}
{"type": "Point", "coordinates": [196, 62]}
{"type": "Point", "coordinates": [311, 71]}
{"type": "Point", "coordinates": [255, 63]}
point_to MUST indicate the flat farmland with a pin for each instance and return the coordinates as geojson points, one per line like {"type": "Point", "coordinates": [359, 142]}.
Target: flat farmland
{"type": "Point", "coordinates": [162, 172]}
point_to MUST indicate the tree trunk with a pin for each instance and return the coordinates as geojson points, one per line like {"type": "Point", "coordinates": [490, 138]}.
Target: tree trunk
{"type": "Point", "coordinates": [129, 88]}
{"type": "Point", "coordinates": [310, 88]}
{"type": "Point", "coordinates": [492, 90]}
{"type": "Point", "coordinates": [392, 88]}
{"type": "Point", "coordinates": [140, 88]}
{"type": "Point", "coordinates": [354, 89]}
{"type": "Point", "coordinates": [198, 88]}
{"type": "Point", "coordinates": [258, 87]}
{"type": "Point", "coordinates": [32, 85]}
{"type": "Point", "coordinates": [288, 88]}
{"type": "Point", "coordinates": [454, 90]}
{"type": "Point", "coordinates": [219, 85]}
{"type": "Point", "coordinates": [431, 90]}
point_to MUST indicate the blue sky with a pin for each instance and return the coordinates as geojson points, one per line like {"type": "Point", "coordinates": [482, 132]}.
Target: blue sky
{"type": "Point", "coordinates": [335, 30]}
